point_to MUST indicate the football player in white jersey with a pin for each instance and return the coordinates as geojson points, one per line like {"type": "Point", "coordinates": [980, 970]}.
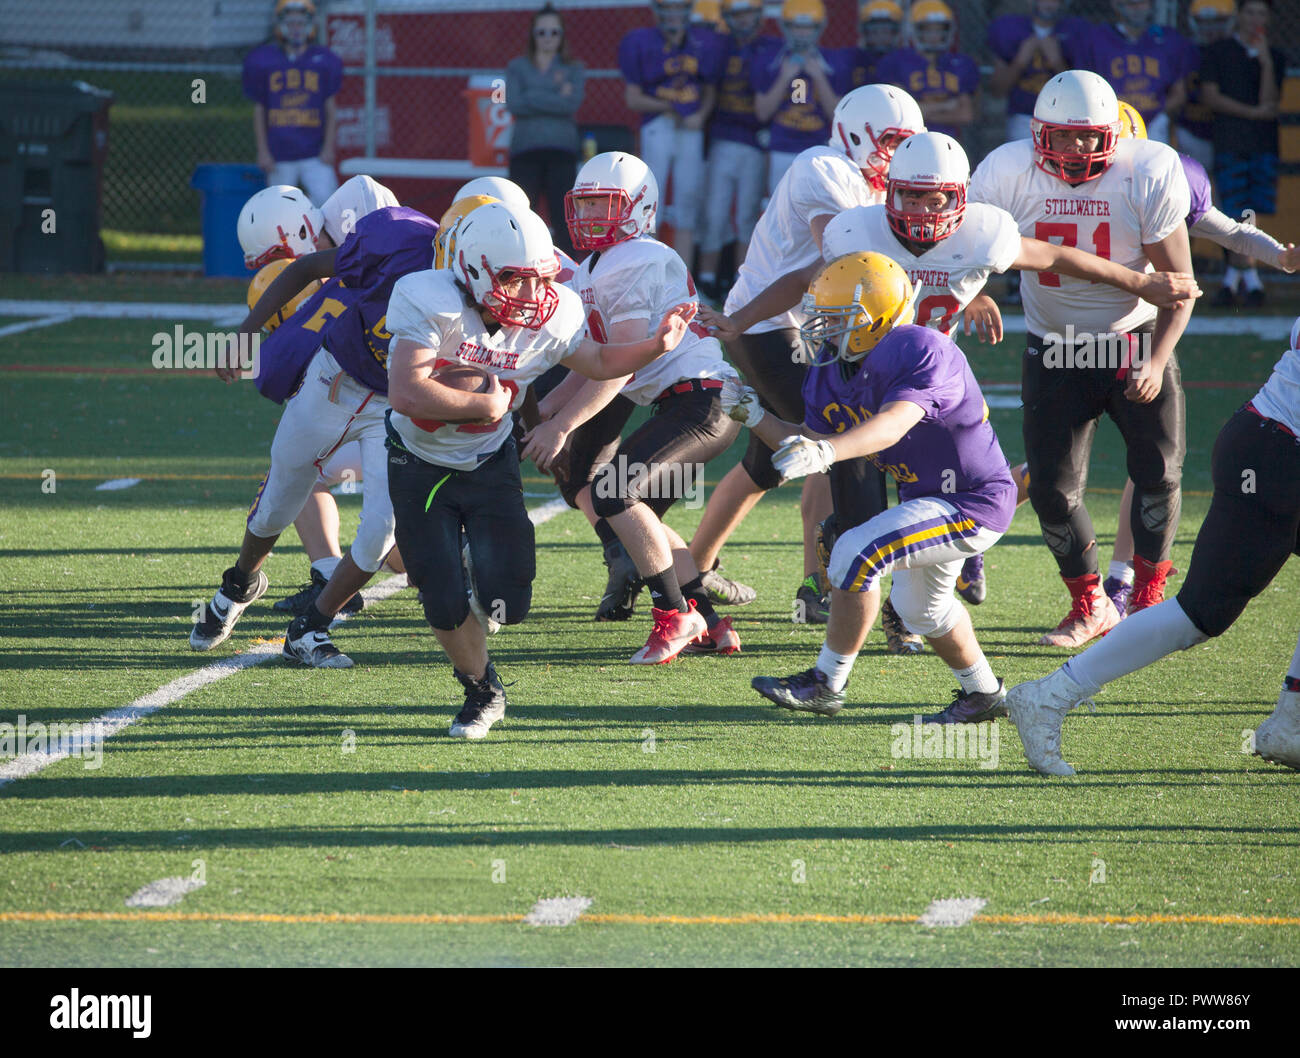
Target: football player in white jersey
{"type": "Point", "coordinates": [868, 125]}
{"type": "Point", "coordinates": [1262, 440]}
{"type": "Point", "coordinates": [1097, 349]}
{"type": "Point", "coordinates": [948, 247]}
{"type": "Point", "coordinates": [452, 460]}
{"type": "Point", "coordinates": [626, 283]}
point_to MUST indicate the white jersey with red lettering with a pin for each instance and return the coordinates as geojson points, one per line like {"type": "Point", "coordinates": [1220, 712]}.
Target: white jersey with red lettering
{"type": "Point", "coordinates": [948, 275]}
{"type": "Point", "coordinates": [822, 182]}
{"type": "Point", "coordinates": [1280, 398]}
{"type": "Point", "coordinates": [643, 279]}
{"type": "Point", "coordinates": [430, 309]}
{"type": "Point", "coordinates": [1141, 198]}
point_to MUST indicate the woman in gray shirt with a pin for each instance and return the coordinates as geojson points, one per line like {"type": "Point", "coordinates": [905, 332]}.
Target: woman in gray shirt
{"type": "Point", "coordinates": [543, 93]}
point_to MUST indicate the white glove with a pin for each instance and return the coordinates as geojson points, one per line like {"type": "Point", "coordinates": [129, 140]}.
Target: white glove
{"type": "Point", "coordinates": [799, 456]}
{"type": "Point", "coordinates": [741, 403]}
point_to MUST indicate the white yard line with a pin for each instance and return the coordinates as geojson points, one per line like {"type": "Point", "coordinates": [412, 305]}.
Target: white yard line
{"type": "Point", "coordinates": [123, 310]}
{"type": "Point", "coordinates": [32, 325]}
{"type": "Point", "coordinates": [115, 720]}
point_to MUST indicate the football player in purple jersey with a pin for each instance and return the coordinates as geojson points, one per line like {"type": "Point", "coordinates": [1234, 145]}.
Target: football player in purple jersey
{"type": "Point", "coordinates": [904, 397]}
{"type": "Point", "coordinates": [942, 80]}
{"type": "Point", "coordinates": [1028, 50]}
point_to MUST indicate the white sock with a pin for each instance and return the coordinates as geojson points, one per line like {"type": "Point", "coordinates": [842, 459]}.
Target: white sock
{"type": "Point", "coordinates": [836, 667]}
{"type": "Point", "coordinates": [1251, 278]}
{"type": "Point", "coordinates": [1231, 277]}
{"type": "Point", "coordinates": [979, 678]}
{"type": "Point", "coordinates": [1141, 639]}
{"type": "Point", "coordinates": [1122, 571]}
{"type": "Point", "coordinates": [326, 566]}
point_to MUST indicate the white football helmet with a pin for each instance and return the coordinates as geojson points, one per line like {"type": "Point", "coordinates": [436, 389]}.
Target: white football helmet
{"type": "Point", "coordinates": [495, 246]}
{"type": "Point", "coordinates": [631, 201]}
{"type": "Point", "coordinates": [868, 125]}
{"type": "Point", "coordinates": [278, 221]}
{"type": "Point", "coordinates": [357, 197]}
{"type": "Point", "coordinates": [503, 190]}
{"type": "Point", "coordinates": [1076, 101]}
{"type": "Point", "coordinates": [928, 161]}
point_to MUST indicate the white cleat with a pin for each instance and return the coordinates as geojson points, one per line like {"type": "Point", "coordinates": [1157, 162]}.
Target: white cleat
{"type": "Point", "coordinates": [1038, 709]}
{"type": "Point", "coordinates": [1278, 737]}
{"type": "Point", "coordinates": [314, 649]}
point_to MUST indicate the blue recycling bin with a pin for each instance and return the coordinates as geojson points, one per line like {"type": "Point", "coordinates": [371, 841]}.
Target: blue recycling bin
{"type": "Point", "coordinates": [223, 190]}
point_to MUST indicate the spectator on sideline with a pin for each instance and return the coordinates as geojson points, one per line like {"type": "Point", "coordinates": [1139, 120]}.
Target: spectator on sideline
{"type": "Point", "coordinates": [1029, 50]}
{"type": "Point", "coordinates": [292, 84]}
{"type": "Point", "coordinates": [1144, 63]}
{"type": "Point", "coordinates": [1241, 81]}
{"type": "Point", "coordinates": [793, 82]}
{"type": "Point", "coordinates": [670, 71]}
{"type": "Point", "coordinates": [942, 80]}
{"type": "Point", "coordinates": [543, 94]}
{"type": "Point", "coordinates": [1211, 21]}
{"type": "Point", "coordinates": [880, 31]}
{"type": "Point", "coordinates": [737, 166]}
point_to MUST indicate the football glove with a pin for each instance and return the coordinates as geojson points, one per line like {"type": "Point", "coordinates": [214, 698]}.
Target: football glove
{"type": "Point", "coordinates": [741, 403]}
{"type": "Point", "coordinates": [799, 456]}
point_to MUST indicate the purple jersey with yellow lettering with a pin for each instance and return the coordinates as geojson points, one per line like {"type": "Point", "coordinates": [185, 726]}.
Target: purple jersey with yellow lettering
{"type": "Point", "coordinates": [856, 67]}
{"type": "Point", "coordinates": [931, 79]}
{"type": "Point", "coordinates": [674, 75]}
{"type": "Point", "coordinates": [284, 355]}
{"type": "Point", "coordinates": [799, 121]}
{"type": "Point", "coordinates": [952, 453]}
{"type": "Point", "coordinates": [1143, 71]}
{"type": "Point", "coordinates": [1198, 182]}
{"type": "Point", "coordinates": [733, 113]}
{"type": "Point", "coordinates": [1008, 32]}
{"type": "Point", "coordinates": [385, 245]}
{"type": "Point", "coordinates": [294, 92]}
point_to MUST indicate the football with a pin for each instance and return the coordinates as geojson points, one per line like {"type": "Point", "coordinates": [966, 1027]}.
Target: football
{"type": "Point", "coordinates": [465, 377]}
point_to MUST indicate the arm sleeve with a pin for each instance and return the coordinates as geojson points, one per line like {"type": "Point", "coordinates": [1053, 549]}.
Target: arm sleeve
{"type": "Point", "coordinates": [1240, 238]}
{"type": "Point", "coordinates": [838, 237]}
{"type": "Point", "coordinates": [1005, 242]}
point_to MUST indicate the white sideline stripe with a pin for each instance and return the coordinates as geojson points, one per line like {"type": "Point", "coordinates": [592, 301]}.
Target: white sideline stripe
{"type": "Point", "coordinates": [558, 911]}
{"type": "Point", "coordinates": [115, 484]}
{"type": "Point", "coordinates": [103, 727]}
{"type": "Point", "coordinates": [164, 892]}
{"type": "Point", "coordinates": [31, 325]}
{"type": "Point", "coordinates": [126, 310]}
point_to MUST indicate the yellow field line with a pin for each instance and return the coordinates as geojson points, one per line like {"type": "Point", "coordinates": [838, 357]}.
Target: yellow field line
{"type": "Point", "coordinates": [772, 918]}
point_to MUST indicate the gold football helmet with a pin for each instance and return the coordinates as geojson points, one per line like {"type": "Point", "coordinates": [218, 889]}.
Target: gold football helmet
{"type": "Point", "coordinates": [257, 287]}
{"type": "Point", "coordinates": [852, 303]}
{"type": "Point", "coordinates": [1131, 125]}
{"type": "Point", "coordinates": [444, 245]}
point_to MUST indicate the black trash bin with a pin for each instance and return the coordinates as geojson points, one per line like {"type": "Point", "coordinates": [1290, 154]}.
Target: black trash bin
{"type": "Point", "coordinates": [53, 142]}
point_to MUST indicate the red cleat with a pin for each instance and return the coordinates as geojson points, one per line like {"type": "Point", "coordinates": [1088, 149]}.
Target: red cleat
{"type": "Point", "coordinates": [673, 630]}
{"type": "Point", "coordinates": [1091, 615]}
{"type": "Point", "coordinates": [1148, 583]}
{"type": "Point", "coordinates": [720, 639]}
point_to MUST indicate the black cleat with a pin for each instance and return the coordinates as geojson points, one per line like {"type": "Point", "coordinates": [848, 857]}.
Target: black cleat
{"type": "Point", "coordinates": [805, 691]}
{"type": "Point", "coordinates": [298, 603]}
{"type": "Point", "coordinates": [973, 708]}
{"type": "Point", "coordinates": [811, 605]}
{"type": "Point", "coordinates": [623, 586]}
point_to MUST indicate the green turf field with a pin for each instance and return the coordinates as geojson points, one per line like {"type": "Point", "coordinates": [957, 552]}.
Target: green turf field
{"type": "Point", "coordinates": [704, 826]}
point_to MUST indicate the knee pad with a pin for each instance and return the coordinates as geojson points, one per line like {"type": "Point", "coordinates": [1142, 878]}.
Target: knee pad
{"type": "Point", "coordinates": [607, 495]}
{"type": "Point", "coordinates": [1158, 508]}
{"type": "Point", "coordinates": [934, 620]}
{"type": "Point", "coordinates": [757, 462]}
{"type": "Point", "coordinates": [373, 541]}
{"type": "Point", "coordinates": [445, 608]}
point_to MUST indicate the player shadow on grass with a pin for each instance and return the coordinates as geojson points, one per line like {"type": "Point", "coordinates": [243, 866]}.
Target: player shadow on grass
{"type": "Point", "coordinates": [497, 833]}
